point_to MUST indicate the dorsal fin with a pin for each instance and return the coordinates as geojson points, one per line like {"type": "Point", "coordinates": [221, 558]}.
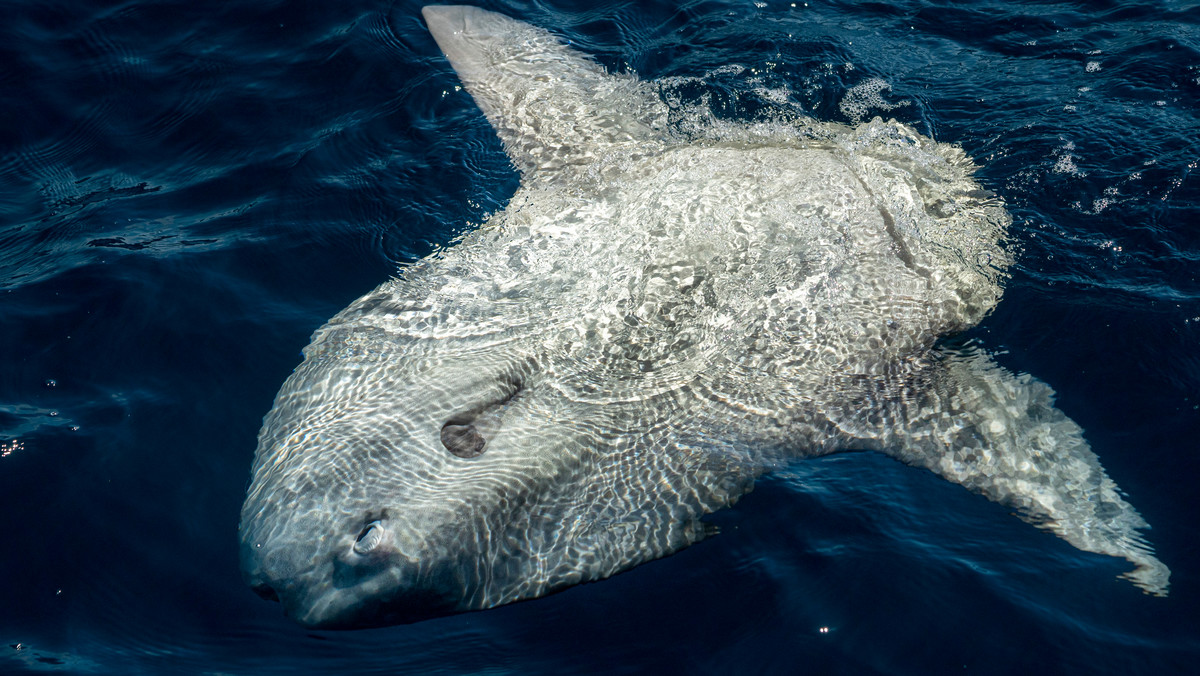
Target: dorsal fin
{"type": "Point", "coordinates": [551, 105]}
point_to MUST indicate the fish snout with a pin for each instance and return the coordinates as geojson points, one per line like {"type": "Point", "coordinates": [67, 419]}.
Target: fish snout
{"type": "Point", "coordinates": [364, 581]}
{"type": "Point", "coordinates": [274, 569]}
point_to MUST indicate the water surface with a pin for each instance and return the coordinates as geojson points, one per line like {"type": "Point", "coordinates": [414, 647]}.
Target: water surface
{"type": "Point", "coordinates": [188, 191]}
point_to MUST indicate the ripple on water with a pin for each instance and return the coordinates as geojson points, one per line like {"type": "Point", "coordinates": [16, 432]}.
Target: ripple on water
{"type": "Point", "coordinates": [188, 190]}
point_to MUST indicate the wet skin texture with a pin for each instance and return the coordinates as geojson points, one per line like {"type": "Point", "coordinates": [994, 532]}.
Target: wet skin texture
{"type": "Point", "coordinates": [658, 317]}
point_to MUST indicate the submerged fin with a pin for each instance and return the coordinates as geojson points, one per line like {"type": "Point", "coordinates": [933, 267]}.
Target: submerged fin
{"type": "Point", "coordinates": [1000, 435]}
{"type": "Point", "coordinates": [551, 105]}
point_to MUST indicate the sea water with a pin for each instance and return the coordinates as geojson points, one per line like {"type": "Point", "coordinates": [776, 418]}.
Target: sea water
{"type": "Point", "coordinates": [188, 190]}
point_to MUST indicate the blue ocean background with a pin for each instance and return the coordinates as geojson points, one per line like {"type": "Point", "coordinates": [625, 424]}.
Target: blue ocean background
{"type": "Point", "coordinates": [188, 190]}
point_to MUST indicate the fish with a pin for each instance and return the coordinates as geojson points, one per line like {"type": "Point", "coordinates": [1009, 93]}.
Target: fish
{"type": "Point", "coordinates": [662, 313]}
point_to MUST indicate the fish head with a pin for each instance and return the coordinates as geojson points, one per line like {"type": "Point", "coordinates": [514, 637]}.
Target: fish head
{"type": "Point", "coordinates": [376, 485]}
{"type": "Point", "coordinates": [403, 482]}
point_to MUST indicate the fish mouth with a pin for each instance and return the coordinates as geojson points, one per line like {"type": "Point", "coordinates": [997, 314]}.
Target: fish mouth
{"type": "Point", "coordinates": [343, 609]}
{"type": "Point", "coordinates": [320, 598]}
{"type": "Point", "coordinates": [323, 606]}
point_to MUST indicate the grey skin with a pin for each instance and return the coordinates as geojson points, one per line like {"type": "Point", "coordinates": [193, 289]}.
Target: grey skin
{"type": "Point", "coordinates": [669, 307]}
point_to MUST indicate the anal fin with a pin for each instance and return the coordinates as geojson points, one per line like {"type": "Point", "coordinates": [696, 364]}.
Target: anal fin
{"type": "Point", "coordinates": [1000, 435]}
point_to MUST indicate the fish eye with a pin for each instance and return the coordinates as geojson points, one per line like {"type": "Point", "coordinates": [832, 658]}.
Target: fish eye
{"type": "Point", "coordinates": [463, 440]}
{"type": "Point", "coordinates": [369, 538]}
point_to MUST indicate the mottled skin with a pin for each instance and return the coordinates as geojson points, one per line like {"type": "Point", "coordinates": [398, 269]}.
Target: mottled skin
{"type": "Point", "coordinates": [654, 321]}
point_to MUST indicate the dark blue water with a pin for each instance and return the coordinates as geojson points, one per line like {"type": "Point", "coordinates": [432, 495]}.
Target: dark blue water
{"type": "Point", "coordinates": [188, 190]}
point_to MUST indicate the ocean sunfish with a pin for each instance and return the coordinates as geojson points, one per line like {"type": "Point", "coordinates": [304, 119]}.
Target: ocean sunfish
{"type": "Point", "coordinates": [662, 313]}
